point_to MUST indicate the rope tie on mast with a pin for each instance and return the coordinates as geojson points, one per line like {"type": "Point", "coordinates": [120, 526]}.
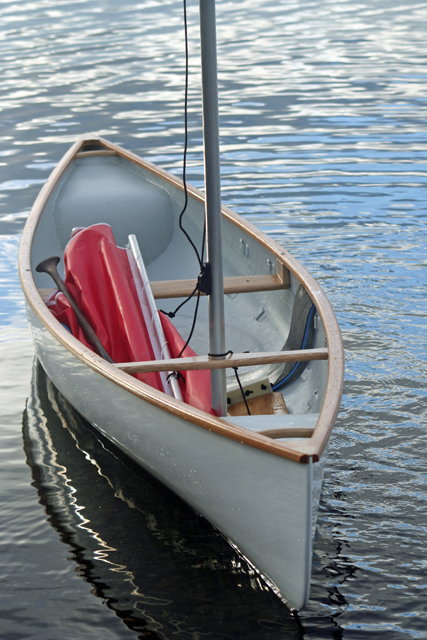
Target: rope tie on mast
{"type": "Point", "coordinates": [224, 355]}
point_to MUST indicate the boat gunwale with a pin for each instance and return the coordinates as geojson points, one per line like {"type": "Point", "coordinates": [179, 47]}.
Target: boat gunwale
{"type": "Point", "coordinates": [298, 451]}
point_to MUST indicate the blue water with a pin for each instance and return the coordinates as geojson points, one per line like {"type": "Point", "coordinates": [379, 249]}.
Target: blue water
{"type": "Point", "coordinates": [323, 134]}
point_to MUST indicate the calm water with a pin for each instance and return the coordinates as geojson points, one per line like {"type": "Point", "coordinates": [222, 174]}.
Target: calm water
{"type": "Point", "coordinates": [323, 128]}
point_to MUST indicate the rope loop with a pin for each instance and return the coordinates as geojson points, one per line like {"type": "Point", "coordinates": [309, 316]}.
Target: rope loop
{"type": "Point", "coordinates": [176, 374]}
{"type": "Point", "coordinates": [220, 355]}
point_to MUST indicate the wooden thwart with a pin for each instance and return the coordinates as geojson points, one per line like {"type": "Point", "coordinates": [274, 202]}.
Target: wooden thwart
{"type": "Point", "coordinates": [238, 284]}
{"type": "Point", "coordinates": [235, 360]}
{"type": "Point", "coordinates": [163, 289]}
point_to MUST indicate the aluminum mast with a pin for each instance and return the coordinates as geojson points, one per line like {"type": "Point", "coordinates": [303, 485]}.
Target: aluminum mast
{"type": "Point", "coordinates": [213, 197]}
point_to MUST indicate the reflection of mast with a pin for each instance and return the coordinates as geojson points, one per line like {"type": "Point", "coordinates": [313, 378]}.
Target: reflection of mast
{"type": "Point", "coordinates": [146, 554]}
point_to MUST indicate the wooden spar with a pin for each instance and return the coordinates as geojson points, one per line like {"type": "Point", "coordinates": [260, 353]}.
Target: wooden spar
{"type": "Point", "coordinates": [236, 360]}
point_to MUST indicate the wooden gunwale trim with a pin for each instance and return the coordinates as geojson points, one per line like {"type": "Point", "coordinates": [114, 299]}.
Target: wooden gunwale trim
{"type": "Point", "coordinates": [297, 451]}
{"type": "Point", "coordinates": [333, 392]}
{"type": "Point", "coordinates": [197, 363]}
{"type": "Point", "coordinates": [110, 371]}
{"type": "Point", "coordinates": [159, 399]}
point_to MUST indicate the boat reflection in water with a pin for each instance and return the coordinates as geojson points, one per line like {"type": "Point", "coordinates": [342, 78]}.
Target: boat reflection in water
{"type": "Point", "coordinates": [157, 564]}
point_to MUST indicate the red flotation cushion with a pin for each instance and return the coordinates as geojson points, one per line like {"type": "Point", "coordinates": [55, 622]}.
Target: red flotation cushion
{"type": "Point", "coordinates": [99, 277]}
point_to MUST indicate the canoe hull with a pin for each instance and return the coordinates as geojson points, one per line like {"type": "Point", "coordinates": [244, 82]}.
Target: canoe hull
{"type": "Point", "coordinates": [242, 491]}
{"type": "Point", "coordinates": [259, 489]}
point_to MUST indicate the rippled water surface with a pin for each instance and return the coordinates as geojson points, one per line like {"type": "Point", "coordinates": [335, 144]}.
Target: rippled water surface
{"type": "Point", "coordinates": [323, 132]}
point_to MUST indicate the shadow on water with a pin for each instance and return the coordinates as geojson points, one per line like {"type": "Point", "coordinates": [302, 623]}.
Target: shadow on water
{"type": "Point", "coordinates": [157, 564]}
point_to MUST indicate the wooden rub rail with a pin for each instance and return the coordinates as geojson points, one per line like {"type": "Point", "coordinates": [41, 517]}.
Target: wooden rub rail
{"type": "Point", "coordinates": [235, 360]}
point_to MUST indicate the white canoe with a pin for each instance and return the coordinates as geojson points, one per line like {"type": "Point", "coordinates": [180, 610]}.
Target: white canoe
{"type": "Point", "coordinates": [256, 478]}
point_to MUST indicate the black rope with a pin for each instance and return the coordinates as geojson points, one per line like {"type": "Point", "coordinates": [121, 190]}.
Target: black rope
{"type": "Point", "coordinates": [200, 281]}
{"type": "Point", "coordinates": [224, 355]}
{"type": "Point", "coordinates": [241, 390]}
{"type": "Point", "coordinates": [203, 281]}
{"type": "Point", "coordinates": [220, 355]}
{"type": "Point", "coordinates": [193, 325]}
{"type": "Point", "coordinates": [172, 314]}
{"type": "Point", "coordinates": [176, 374]}
{"type": "Point", "coordinates": [184, 163]}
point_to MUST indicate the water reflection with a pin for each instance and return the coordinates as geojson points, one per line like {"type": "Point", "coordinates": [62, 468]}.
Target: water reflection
{"type": "Point", "coordinates": [160, 567]}
{"type": "Point", "coordinates": [322, 111]}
